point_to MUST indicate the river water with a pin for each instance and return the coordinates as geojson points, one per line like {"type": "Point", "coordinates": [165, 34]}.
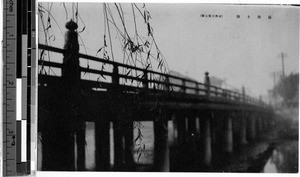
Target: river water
{"type": "Point", "coordinates": [147, 141]}
{"type": "Point", "coordinates": [283, 159]}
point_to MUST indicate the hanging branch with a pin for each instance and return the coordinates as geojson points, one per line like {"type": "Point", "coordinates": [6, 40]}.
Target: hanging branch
{"type": "Point", "coordinates": [111, 47]}
{"type": "Point", "coordinates": [65, 10]}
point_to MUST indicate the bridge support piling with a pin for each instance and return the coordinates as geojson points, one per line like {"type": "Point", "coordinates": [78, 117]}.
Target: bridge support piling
{"type": "Point", "coordinates": [213, 129]}
{"type": "Point", "coordinates": [80, 141]}
{"type": "Point", "coordinates": [175, 132]}
{"type": "Point", "coordinates": [59, 145]}
{"type": "Point", "coordinates": [118, 146]}
{"type": "Point", "coordinates": [228, 135]}
{"type": "Point", "coordinates": [217, 136]}
{"type": "Point", "coordinates": [259, 124]}
{"type": "Point", "coordinates": [251, 128]}
{"type": "Point", "coordinates": [58, 150]}
{"type": "Point", "coordinates": [102, 145]}
{"type": "Point", "coordinates": [263, 126]}
{"type": "Point", "coordinates": [206, 141]}
{"type": "Point", "coordinates": [242, 130]}
{"type": "Point", "coordinates": [197, 122]}
{"type": "Point", "coordinates": [265, 123]}
{"type": "Point", "coordinates": [181, 129]}
{"type": "Point", "coordinates": [161, 152]}
{"type": "Point", "coordinates": [191, 126]}
{"type": "Point", "coordinates": [182, 153]}
{"type": "Point", "coordinates": [128, 137]}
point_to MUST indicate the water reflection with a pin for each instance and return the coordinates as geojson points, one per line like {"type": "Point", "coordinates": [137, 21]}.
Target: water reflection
{"type": "Point", "coordinates": [274, 161]}
{"type": "Point", "coordinates": [284, 159]}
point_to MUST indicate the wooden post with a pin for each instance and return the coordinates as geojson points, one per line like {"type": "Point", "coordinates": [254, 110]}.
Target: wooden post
{"type": "Point", "coordinates": [265, 122]}
{"type": "Point", "coordinates": [228, 134]}
{"type": "Point", "coordinates": [243, 94]}
{"type": "Point", "coordinates": [191, 126]}
{"type": "Point", "coordinates": [80, 141]}
{"type": "Point", "coordinates": [167, 83]}
{"type": "Point", "coordinates": [205, 146]}
{"type": "Point", "coordinates": [58, 136]}
{"type": "Point", "coordinates": [207, 84]}
{"type": "Point", "coordinates": [213, 128]}
{"type": "Point", "coordinates": [115, 76]}
{"type": "Point", "coordinates": [118, 146]}
{"type": "Point", "coordinates": [174, 121]}
{"type": "Point", "coordinates": [197, 89]}
{"type": "Point", "coordinates": [259, 124]}
{"type": "Point", "coordinates": [217, 132]}
{"type": "Point", "coordinates": [198, 130]}
{"type": "Point", "coordinates": [58, 151]}
{"type": "Point", "coordinates": [128, 136]}
{"type": "Point", "coordinates": [207, 142]}
{"type": "Point", "coordinates": [251, 127]}
{"type": "Point", "coordinates": [160, 145]}
{"type": "Point", "coordinates": [183, 86]}
{"type": "Point", "coordinates": [102, 145]}
{"type": "Point", "coordinates": [71, 68]}
{"type": "Point", "coordinates": [181, 124]}
{"type": "Point", "coordinates": [173, 148]}
{"type": "Point", "coordinates": [145, 80]}
{"type": "Point", "coordinates": [242, 136]}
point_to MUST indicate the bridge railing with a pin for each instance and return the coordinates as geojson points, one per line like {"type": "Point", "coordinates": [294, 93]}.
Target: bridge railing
{"type": "Point", "coordinates": [142, 78]}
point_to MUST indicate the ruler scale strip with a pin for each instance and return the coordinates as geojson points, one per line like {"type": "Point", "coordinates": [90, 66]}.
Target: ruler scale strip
{"type": "Point", "coordinates": [19, 87]}
{"type": "Point", "coordinates": [9, 89]}
{"type": "Point", "coordinates": [29, 73]}
{"type": "Point", "coordinates": [33, 91]}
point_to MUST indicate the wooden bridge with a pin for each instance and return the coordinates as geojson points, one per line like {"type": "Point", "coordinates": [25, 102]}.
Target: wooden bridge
{"type": "Point", "coordinates": [208, 121]}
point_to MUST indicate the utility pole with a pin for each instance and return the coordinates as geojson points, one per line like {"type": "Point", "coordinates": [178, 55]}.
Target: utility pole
{"type": "Point", "coordinates": [282, 61]}
{"type": "Point", "coordinates": [273, 90]}
{"type": "Point", "coordinates": [274, 77]}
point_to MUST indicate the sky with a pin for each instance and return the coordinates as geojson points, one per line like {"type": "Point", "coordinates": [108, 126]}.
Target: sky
{"type": "Point", "coordinates": [244, 51]}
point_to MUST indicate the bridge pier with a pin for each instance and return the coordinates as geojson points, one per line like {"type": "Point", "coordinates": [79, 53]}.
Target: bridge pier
{"type": "Point", "coordinates": [207, 143]}
{"type": "Point", "coordinates": [175, 133]}
{"type": "Point", "coordinates": [205, 123]}
{"type": "Point", "coordinates": [191, 142]}
{"type": "Point", "coordinates": [123, 144]}
{"type": "Point", "coordinates": [118, 146]}
{"type": "Point", "coordinates": [161, 147]}
{"type": "Point", "coordinates": [191, 125]}
{"type": "Point", "coordinates": [251, 130]}
{"type": "Point", "coordinates": [58, 150]}
{"type": "Point", "coordinates": [263, 123]}
{"type": "Point", "coordinates": [177, 149]}
{"type": "Point", "coordinates": [102, 142]}
{"type": "Point", "coordinates": [128, 138]}
{"type": "Point", "coordinates": [181, 128]}
{"type": "Point", "coordinates": [259, 124]}
{"type": "Point", "coordinates": [218, 128]}
{"type": "Point", "coordinates": [80, 141]}
{"type": "Point", "coordinates": [197, 122]}
{"type": "Point", "coordinates": [228, 134]}
{"type": "Point", "coordinates": [184, 152]}
{"type": "Point", "coordinates": [213, 129]}
{"type": "Point", "coordinates": [242, 129]}
{"type": "Point", "coordinates": [266, 124]}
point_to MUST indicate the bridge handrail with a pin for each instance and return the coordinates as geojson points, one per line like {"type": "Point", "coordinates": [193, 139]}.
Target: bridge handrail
{"type": "Point", "coordinates": [213, 90]}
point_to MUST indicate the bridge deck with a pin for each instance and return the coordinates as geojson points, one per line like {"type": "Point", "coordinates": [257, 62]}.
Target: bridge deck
{"type": "Point", "coordinates": [138, 101]}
